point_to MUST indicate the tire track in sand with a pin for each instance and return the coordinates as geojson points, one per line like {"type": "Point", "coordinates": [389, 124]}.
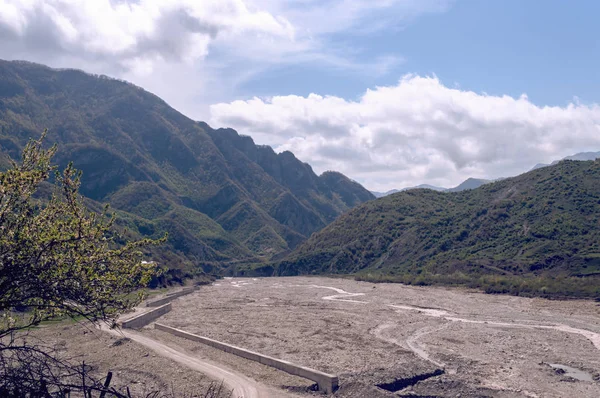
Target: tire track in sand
{"type": "Point", "coordinates": [593, 337]}
{"type": "Point", "coordinates": [411, 342]}
{"type": "Point", "coordinates": [341, 296]}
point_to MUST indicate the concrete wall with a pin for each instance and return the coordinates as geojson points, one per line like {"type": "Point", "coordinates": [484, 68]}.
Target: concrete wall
{"type": "Point", "coordinates": [170, 297]}
{"type": "Point", "coordinates": [145, 318]}
{"type": "Point", "coordinates": [326, 382]}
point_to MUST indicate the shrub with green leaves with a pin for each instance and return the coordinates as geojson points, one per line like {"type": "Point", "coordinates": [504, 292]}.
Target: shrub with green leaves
{"type": "Point", "coordinates": [57, 258]}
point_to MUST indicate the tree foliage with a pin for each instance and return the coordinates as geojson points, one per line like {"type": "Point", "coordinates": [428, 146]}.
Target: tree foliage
{"type": "Point", "coordinates": [57, 258]}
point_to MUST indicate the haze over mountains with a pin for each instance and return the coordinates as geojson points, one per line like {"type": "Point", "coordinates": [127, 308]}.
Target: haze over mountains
{"type": "Point", "coordinates": [472, 183]}
{"type": "Point", "coordinates": [222, 199]}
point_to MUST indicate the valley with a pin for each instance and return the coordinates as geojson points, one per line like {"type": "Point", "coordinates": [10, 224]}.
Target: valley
{"type": "Point", "coordinates": [231, 207]}
{"type": "Point", "coordinates": [294, 199]}
{"type": "Point", "coordinates": [224, 201]}
{"type": "Point", "coordinates": [458, 342]}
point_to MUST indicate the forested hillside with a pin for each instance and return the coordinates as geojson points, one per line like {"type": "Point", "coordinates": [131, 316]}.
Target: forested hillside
{"type": "Point", "coordinates": [538, 233]}
{"type": "Point", "coordinates": [222, 199]}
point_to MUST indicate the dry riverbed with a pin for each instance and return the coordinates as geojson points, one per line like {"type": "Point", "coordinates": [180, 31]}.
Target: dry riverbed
{"type": "Point", "coordinates": [390, 334]}
{"type": "Point", "coordinates": [383, 340]}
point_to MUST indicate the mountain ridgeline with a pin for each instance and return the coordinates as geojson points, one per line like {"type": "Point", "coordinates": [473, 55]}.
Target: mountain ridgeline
{"type": "Point", "coordinates": [469, 183]}
{"type": "Point", "coordinates": [474, 183]}
{"type": "Point", "coordinates": [231, 206]}
{"type": "Point", "coordinates": [223, 200]}
{"type": "Point", "coordinates": [537, 233]}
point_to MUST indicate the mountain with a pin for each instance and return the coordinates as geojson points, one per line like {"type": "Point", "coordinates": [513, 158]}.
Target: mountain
{"type": "Point", "coordinates": [581, 156]}
{"type": "Point", "coordinates": [539, 165]}
{"type": "Point", "coordinates": [536, 233]}
{"type": "Point", "coordinates": [382, 194]}
{"type": "Point", "coordinates": [222, 199]}
{"type": "Point", "coordinates": [422, 186]}
{"type": "Point", "coordinates": [469, 183]}
{"type": "Point", "coordinates": [426, 186]}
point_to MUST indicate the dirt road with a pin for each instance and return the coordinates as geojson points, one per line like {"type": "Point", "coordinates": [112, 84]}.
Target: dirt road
{"type": "Point", "coordinates": [242, 386]}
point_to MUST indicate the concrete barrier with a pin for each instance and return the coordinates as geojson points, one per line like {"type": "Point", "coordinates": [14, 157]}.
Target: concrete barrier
{"type": "Point", "coordinates": [326, 382]}
{"type": "Point", "coordinates": [170, 297]}
{"type": "Point", "coordinates": [142, 320]}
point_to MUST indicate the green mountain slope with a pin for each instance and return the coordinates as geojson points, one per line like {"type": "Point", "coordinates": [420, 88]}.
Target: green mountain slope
{"type": "Point", "coordinates": [222, 199]}
{"type": "Point", "coordinates": [537, 233]}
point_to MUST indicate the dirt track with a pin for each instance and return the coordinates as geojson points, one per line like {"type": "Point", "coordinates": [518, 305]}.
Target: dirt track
{"type": "Point", "coordinates": [369, 334]}
{"type": "Point", "coordinates": [240, 385]}
{"type": "Point", "coordinates": [134, 366]}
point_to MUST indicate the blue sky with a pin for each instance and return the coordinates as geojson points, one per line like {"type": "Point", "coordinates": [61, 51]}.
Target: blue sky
{"type": "Point", "coordinates": [549, 49]}
{"type": "Point", "coordinates": [392, 93]}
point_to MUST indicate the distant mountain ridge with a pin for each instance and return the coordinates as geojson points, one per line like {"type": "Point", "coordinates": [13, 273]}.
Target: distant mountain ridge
{"type": "Point", "coordinates": [422, 186]}
{"type": "Point", "coordinates": [581, 156]}
{"type": "Point", "coordinates": [469, 183]}
{"type": "Point", "coordinates": [473, 183]}
{"type": "Point", "coordinates": [222, 199]}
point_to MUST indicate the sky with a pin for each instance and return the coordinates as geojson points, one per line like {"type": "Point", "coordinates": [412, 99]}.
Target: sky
{"type": "Point", "coordinates": [392, 93]}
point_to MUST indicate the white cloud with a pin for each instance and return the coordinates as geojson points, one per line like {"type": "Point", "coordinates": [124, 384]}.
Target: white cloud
{"type": "Point", "coordinates": [132, 35]}
{"type": "Point", "coordinates": [415, 132]}
{"type": "Point", "coordinates": [194, 53]}
{"type": "Point", "coordinates": [318, 17]}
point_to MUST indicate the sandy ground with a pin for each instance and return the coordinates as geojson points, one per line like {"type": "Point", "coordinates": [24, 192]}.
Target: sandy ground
{"type": "Point", "coordinates": [412, 341]}
{"type": "Point", "coordinates": [369, 334]}
{"type": "Point", "coordinates": [132, 364]}
{"type": "Point", "coordinates": [217, 367]}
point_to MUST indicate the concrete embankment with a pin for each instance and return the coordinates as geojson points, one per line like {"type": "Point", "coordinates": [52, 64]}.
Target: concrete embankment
{"type": "Point", "coordinates": [326, 382]}
{"type": "Point", "coordinates": [170, 297]}
{"type": "Point", "coordinates": [145, 318]}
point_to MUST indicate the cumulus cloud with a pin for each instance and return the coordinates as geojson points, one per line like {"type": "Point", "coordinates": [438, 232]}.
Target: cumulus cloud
{"type": "Point", "coordinates": [122, 36]}
{"type": "Point", "coordinates": [418, 131]}
{"type": "Point", "coordinates": [130, 34]}
{"type": "Point", "coordinates": [194, 53]}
